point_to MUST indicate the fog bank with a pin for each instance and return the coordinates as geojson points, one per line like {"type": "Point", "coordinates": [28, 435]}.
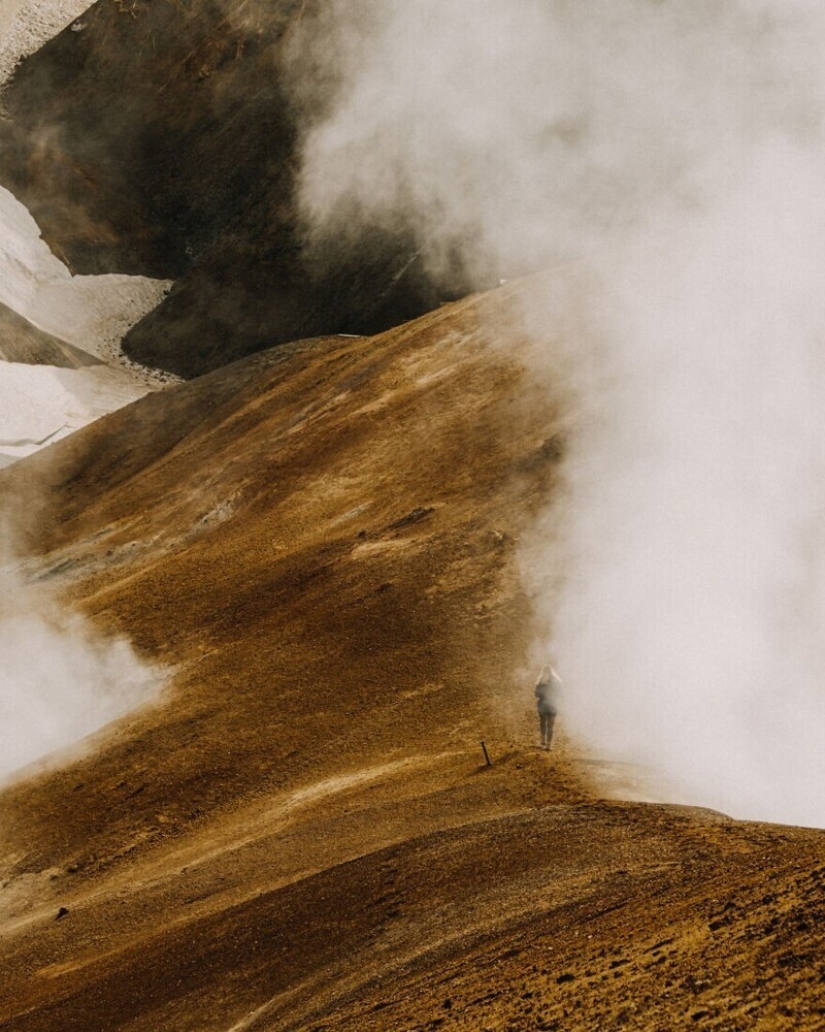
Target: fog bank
{"type": "Point", "coordinates": [673, 154]}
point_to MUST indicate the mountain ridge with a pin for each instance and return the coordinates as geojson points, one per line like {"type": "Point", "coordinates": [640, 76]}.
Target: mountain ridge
{"type": "Point", "coordinates": [320, 545]}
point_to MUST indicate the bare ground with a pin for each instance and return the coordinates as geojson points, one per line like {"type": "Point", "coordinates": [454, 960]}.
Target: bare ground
{"type": "Point", "coordinates": [320, 545]}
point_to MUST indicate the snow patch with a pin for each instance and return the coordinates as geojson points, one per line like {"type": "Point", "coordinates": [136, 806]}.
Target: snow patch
{"type": "Point", "coordinates": [25, 25]}
{"type": "Point", "coordinates": [41, 404]}
{"type": "Point", "coordinates": [91, 312]}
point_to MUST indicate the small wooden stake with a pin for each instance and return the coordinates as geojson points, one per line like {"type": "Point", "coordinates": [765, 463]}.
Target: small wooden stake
{"type": "Point", "coordinates": [486, 754]}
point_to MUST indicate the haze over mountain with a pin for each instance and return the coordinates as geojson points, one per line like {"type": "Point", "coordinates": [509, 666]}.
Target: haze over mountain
{"type": "Point", "coordinates": [49, 386]}
{"type": "Point", "coordinates": [189, 174]}
{"type": "Point", "coordinates": [269, 636]}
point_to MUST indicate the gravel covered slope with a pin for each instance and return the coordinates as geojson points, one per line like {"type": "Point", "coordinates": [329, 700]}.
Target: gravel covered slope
{"type": "Point", "coordinates": [322, 543]}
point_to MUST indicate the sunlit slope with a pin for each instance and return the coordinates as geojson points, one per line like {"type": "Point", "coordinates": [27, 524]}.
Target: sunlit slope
{"type": "Point", "coordinates": [321, 544]}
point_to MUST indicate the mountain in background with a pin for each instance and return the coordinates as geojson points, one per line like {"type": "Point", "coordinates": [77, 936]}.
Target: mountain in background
{"type": "Point", "coordinates": [162, 139]}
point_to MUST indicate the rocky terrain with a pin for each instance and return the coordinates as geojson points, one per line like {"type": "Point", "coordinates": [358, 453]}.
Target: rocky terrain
{"type": "Point", "coordinates": [319, 544]}
{"type": "Point", "coordinates": [333, 813]}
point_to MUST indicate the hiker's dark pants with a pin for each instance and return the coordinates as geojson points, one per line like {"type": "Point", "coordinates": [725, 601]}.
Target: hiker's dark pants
{"type": "Point", "coordinates": [547, 720]}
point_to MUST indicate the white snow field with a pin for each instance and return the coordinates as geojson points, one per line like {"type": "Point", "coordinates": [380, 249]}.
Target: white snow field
{"type": "Point", "coordinates": [39, 403]}
{"type": "Point", "coordinates": [25, 25]}
{"type": "Point", "coordinates": [91, 312]}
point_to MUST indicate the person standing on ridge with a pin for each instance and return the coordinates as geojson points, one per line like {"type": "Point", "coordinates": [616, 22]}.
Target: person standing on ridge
{"type": "Point", "coordinates": [547, 691]}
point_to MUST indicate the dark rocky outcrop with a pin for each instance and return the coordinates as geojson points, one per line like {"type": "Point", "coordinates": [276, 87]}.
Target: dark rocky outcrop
{"type": "Point", "coordinates": [158, 137]}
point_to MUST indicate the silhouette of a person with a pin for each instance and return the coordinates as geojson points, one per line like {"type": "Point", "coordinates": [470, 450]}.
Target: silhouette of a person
{"type": "Point", "coordinates": [546, 691]}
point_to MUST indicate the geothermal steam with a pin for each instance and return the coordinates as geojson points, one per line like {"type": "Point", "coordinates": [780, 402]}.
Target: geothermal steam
{"type": "Point", "coordinates": [672, 153]}
{"type": "Point", "coordinates": [59, 679]}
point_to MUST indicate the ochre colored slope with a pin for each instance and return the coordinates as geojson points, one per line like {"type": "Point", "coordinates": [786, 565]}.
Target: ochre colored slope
{"type": "Point", "coordinates": [321, 546]}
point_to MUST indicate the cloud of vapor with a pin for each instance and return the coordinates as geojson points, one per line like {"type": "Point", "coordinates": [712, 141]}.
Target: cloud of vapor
{"type": "Point", "coordinates": [521, 132]}
{"type": "Point", "coordinates": [60, 680]}
{"type": "Point", "coordinates": [672, 151]}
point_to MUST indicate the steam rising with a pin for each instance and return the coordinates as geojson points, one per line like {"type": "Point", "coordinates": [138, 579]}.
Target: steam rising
{"type": "Point", "coordinates": [59, 679]}
{"type": "Point", "coordinates": [673, 154]}
{"type": "Point", "coordinates": [26, 25]}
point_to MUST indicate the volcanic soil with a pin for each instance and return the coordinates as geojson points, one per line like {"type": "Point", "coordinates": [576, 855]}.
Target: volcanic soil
{"type": "Point", "coordinates": [319, 547]}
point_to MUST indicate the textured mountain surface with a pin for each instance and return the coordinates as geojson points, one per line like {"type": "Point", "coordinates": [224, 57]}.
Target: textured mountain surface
{"type": "Point", "coordinates": [321, 545]}
{"type": "Point", "coordinates": [124, 139]}
{"type": "Point", "coordinates": [22, 342]}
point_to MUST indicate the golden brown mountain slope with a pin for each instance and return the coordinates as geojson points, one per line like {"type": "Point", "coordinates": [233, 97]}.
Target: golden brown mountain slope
{"type": "Point", "coordinates": [320, 544]}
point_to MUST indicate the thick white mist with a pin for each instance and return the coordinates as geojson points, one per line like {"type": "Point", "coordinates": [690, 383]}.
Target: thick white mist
{"type": "Point", "coordinates": [690, 617]}
{"type": "Point", "coordinates": [673, 153]}
{"type": "Point", "coordinates": [60, 679]}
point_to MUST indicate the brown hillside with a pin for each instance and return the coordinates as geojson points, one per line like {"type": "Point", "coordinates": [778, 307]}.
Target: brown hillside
{"type": "Point", "coordinates": [320, 544]}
